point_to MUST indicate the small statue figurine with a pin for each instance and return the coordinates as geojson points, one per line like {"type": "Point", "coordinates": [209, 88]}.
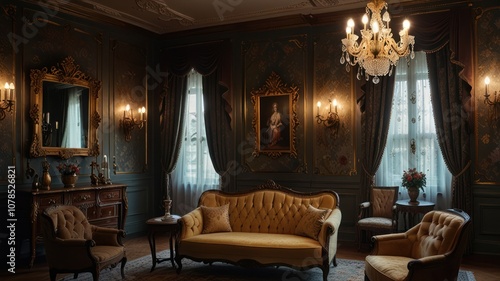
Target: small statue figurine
{"type": "Point", "coordinates": [93, 178]}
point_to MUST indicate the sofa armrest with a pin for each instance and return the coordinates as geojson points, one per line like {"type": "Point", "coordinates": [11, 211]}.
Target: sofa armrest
{"type": "Point", "coordinates": [394, 244]}
{"type": "Point", "coordinates": [192, 223]}
{"type": "Point", "coordinates": [107, 236]}
{"type": "Point", "coordinates": [330, 226]}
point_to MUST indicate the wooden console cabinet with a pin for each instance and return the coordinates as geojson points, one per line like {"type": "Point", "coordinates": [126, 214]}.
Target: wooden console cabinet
{"type": "Point", "coordinates": [104, 205]}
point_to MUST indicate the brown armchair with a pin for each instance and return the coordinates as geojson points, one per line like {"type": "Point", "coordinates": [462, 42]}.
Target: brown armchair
{"type": "Point", "coordinates": [431, 250]}
{"type": "Point", "coordinates": [378, 216]}
{"type": "Point", "coordinates": [73, 245]}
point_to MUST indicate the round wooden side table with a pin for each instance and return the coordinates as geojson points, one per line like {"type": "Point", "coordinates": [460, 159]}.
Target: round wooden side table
{"type": "Point", "coordinates": [158, 225]}
{"type": "Point", "coordinates": [410, 210]}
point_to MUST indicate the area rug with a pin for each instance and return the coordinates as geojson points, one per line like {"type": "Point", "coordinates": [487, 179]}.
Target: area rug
{"type": "Point", "coordinates": [139, 269]}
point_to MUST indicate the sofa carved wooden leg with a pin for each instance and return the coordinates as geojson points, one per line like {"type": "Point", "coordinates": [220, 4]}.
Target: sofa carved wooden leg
{"type": "Point", "coordinates": [122, 269]}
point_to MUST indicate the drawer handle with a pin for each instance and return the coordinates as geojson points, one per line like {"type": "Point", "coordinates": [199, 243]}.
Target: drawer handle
{"type": "Point", "coordinates": [84, 197]}
{"type": "Point", "coordinates": [52, 201]}
{"type": "Point", "coordinates": [110, 195]}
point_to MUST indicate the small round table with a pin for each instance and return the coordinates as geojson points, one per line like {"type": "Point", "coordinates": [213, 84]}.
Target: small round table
{"type": "Point", "coordinates": [409, 210]}
{"type": "Point", "coordinates": [170, 227]}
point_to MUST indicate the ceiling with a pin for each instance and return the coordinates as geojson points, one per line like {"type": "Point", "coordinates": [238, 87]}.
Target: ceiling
{"type": "Point", "coordinates": [167, 16]}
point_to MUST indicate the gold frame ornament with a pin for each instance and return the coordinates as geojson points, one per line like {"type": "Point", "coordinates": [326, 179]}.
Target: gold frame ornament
{"type": "Point", "coordinates": [275, 118]}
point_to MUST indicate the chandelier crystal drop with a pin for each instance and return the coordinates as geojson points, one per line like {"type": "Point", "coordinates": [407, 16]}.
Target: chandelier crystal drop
{"type": "Point", "coordinates": [378, 52]}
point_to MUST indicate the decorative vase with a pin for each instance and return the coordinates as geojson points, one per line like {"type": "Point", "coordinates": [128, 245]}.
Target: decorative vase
{"type": "Point", "coordinates": [69, 180]}
{"type": "Point", "coordinates": [413, 193]}
{"type": "Point", "coordinates": [46, 180]}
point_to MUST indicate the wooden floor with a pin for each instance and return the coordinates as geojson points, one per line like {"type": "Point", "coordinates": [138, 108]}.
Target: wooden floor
{"type": "Point", "coordinates": [485, 267]}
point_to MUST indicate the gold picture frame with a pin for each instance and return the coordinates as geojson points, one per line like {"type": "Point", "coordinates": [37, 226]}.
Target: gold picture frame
{"type": "Point", "coordinates": [275, 118]}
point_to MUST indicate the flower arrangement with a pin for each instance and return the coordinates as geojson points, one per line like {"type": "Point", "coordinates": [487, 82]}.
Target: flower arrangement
{"type": "Point", "coordinates": [412, 178]}
{"type": "Point", "coordinates": [68, 168]}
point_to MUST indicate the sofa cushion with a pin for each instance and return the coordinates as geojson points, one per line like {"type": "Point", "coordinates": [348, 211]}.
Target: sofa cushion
{"type": "Point", "coordinates": [215, 219]}
{"type": "Point", "coordinates": [264, 248]}
{"type": "Point", "coordinates": [311, 222]}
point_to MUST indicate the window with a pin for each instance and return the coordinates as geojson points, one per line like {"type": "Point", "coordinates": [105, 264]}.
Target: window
{"type": "Point", "coordinates": [412, 140]}
{"type": "Point", "coordinates": [194, 172]}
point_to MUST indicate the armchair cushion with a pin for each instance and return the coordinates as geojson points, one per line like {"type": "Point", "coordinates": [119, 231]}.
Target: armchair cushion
{"type": "Point", "coordinates": [71, 224]}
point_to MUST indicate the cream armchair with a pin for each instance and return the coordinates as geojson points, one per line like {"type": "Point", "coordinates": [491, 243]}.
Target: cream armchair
{"type": "Point", "coordinates": [431, 250]}
{"type": "Point", "coordinates": [72, 245]}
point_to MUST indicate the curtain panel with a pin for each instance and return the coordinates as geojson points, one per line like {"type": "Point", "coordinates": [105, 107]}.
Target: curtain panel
{"type": "Point", "coordinates": [375, 104]}
{"type": "Point", "coordinates": [212, 60]}
{"type": "Point", "coordinates": [447, 38]}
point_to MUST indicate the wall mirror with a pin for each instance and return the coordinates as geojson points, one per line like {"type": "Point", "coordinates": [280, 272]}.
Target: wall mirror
{"type": "Point", "coordinates": [64, 111]}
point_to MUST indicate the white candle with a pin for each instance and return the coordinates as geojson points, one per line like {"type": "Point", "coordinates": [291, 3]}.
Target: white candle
{"type": "Point", "coordinates": [57, 125]}
{"type": "Point", "coordinates": [318, 105]}
{"type": "Point", "coordinates": [105, 159]}
{"type": "Point", "coordinates": [335, 105]}
{"type": "Point", "coordinates": [47, 117]}
{"type": "Point", "coordinates": [12, 96]}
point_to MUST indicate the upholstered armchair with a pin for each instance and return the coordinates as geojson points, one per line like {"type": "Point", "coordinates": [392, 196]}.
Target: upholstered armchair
{"type": "Point", "coordinates": [431, 250]}
{"type": "Point", "coordinates": [72, 245]}
{"type": "Point", "coordinates": [378, 216]}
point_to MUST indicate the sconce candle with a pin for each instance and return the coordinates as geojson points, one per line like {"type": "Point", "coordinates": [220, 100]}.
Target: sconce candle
{"type": "Point", "coordinates": [335, 105]}
{"type": "Point", "coordinates": [128, 123]}
{"type": "Point", "coordinates": [486, 83]}
{"type": "Point", "coordinates": [7, 98]}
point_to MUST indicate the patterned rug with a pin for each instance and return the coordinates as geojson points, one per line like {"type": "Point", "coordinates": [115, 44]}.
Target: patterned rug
{"type": "Point", "coordinates": [139, 269]}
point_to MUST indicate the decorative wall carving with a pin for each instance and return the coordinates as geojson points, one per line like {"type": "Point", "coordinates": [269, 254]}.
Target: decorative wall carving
{"type": "Point", "coordinates": [333, 153]}
{"type": "Point", "coordinates": [129, 86]}
{"type": "Point", "coordinates": [487, 164]}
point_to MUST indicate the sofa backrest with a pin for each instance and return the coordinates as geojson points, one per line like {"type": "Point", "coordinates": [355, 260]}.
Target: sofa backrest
{"type": "Point", "coordinates": [441, 232]}
{"type": "Point", "coordinates": [270, 208]}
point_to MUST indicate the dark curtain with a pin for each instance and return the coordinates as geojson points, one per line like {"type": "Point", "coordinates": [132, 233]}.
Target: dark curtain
{"type": "Point", "coordinates": [375, 105]}
{"type": "Point", "coordinates": [447, 38]}
{"type": "Point", "coordinates": [211, 60]}
{"type": "Point", "coordinates": [172, 109]}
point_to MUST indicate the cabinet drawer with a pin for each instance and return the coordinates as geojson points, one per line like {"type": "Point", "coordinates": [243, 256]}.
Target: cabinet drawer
{"type": "Point", "coordinates": [83, 197]}
{"type": "Point", "coordinates": [108, 211]}
{"type": "Point", "coordinates": [113, 195]}
{"type": "Point", "coordinates": [49, 200]}
{"type": "Point", "coordinates": [92, 213]}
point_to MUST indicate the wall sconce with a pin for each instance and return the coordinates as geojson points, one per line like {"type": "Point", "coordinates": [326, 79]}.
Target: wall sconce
{"type": "Point", "coordinates": [7, 100]}
{"type": "Point", "coordinates": [128, 123]}
{"type": "Point", "coordinates": [494, 104]}
{"type": "Point", "coordinates": [332, 120]}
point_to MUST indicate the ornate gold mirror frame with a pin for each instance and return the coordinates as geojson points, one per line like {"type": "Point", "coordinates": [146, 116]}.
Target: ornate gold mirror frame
{"type": "Point", "coordinates": [66, 72]}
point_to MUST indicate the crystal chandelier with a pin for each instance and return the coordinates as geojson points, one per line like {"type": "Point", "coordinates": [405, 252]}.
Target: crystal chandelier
{"type": "Point", "coordinates": [377, 53]}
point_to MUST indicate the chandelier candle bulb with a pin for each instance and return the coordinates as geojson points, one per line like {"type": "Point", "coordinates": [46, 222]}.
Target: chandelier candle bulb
{"type": "Point", "coordinates": [318, 105]}
{"type": "Point", "coordinates": [364, 20]}
{"type": "Point", "coordinates": [335, 105]}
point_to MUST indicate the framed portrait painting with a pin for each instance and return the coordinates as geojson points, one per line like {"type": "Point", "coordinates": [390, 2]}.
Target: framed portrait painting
{"type": "Point", "coordinates": [275, 118]}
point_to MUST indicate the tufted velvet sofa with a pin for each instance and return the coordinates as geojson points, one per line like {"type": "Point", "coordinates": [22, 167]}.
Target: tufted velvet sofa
{"type": "Point", "coordinates": [73, 245]}
{"type": "Point", "coordinates": [431, 250]}
{"type": "Point", "coordinates": [268, 226]}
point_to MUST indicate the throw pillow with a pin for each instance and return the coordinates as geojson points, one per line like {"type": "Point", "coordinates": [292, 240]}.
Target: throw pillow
{"type": "Point", "coordinates": [216, 219]}
{"type": "Point", "coordinates": [311, 222]}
